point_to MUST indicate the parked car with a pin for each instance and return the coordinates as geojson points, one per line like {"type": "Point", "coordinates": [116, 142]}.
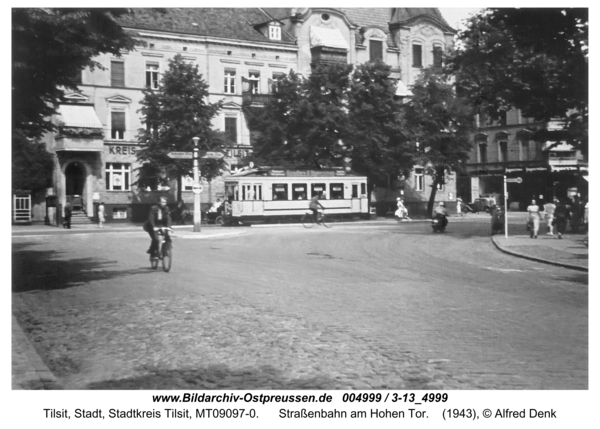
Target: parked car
{"type": "Point", "coordinates": [482, 204]}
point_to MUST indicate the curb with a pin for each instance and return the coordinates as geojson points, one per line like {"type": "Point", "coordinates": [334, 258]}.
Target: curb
{"type": "Point", "coordinates": [29, 372]}
{"type": "Point", "coordinates": [533, 258]}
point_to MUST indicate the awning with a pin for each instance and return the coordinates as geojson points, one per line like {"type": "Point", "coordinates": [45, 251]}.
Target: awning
{"type": "Point", "coordinates": [560, 147]}
{"type": "Point", "coordinates": [402, 90]}
{"type": "Point", "coordinates": [78, 116]}
{"type": "Point", "coordinates": [330, 37]}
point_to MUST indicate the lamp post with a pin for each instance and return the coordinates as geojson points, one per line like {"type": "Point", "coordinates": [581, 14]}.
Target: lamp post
{"type": "Point", "coordinates": [197, 218]}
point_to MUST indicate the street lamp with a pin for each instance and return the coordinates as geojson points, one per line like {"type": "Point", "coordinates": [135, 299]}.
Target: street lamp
{"type": "Point", "coordinates": [196, 187]}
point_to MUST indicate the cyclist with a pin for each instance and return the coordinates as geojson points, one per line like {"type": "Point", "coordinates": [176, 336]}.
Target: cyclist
{"type": "Point", "coordinates": [314, 206]}
{"type": "Point", "coordinates": [159, 216]}
{"type": "Point", "coordinates": [441, 212]}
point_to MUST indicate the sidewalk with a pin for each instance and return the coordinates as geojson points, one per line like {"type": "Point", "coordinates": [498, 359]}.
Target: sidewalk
{"type": "Point", "coordinates": [570, 252]}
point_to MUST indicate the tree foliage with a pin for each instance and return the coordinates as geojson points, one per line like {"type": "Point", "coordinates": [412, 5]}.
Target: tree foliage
{"type": "Point", "coordinates": [172, 115]}
{"type": "Point", "coordinates": [51, 46]}
{"type": "Point", "coordinates": [440, 122]}
{"type": "Point", "coordinates": [336, 114]}
{"type": "Point", "coordinates": [535, 60]}
{"type": "Point", "coordinates": [32, 164]}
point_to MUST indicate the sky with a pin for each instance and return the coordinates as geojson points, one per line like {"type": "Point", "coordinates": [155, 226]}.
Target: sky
{"type": "Point", "coordinates": [454, 15]}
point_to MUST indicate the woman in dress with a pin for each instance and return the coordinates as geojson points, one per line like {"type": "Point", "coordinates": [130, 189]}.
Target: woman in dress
{"type": "Point", "coordinates": [533, 219]}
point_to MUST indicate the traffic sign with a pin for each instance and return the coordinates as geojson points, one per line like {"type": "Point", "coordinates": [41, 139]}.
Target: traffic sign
{"type": "Point", "coordinates": [514, 180]}
{"type": "Point", "coordinates": [197, 188]}
{"type": "Point", "coordinates": [212, 155]}
{"type": "Point", "coordinates": [180, 155]}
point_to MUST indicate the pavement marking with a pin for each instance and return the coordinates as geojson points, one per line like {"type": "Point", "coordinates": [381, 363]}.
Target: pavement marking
{"type": "Point", "coordinates": [504, 269]}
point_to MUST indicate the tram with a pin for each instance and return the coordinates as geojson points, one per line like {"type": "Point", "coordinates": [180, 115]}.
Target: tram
{"type": "Point", "coordinates": [276, 194]}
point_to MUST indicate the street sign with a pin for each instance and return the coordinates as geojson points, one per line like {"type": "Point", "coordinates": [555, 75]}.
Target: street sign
{"type": "Point", "coordinates": [197, 188]}
{"type": "Point", "coordinates": [212, 155]}
{"type": "Point", "coordinates": [514, 180]}
{"type": "Point", "coordinates": [180, 155]}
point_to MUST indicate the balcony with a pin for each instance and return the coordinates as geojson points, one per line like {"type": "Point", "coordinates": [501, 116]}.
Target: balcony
{"type": "Point", "coordinates": [93, 143]}
{"type": "Point", "coordinates": [255, 100]}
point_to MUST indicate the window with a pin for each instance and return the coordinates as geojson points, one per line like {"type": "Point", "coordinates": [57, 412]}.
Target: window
{"type": "Point", "coordinates": [280, 191]}
{"type": "Point", "coordinates": [251, 192]}
{"type": "Point", "coordinates": [375, 50]}
{"type": "Point", "coordinates": [273, 82]}
{"type": "Point", "coordinates": [298, 191]}
{"type": "Point", "coordinates": [483, 153]}
{"type": "Point", "coordinates": [419, 180]}
{"type": "Point", "coordinates": [437, 56]}
{"type": "Point", "coordinates": [363, 189]}
{"type": "Point", "coordinates": [354, 190]}
{"type": "Point", "coordinates": [117, 73]}
{"type": "Point", "coordinates": [117, 125]}
{"type": "Point", "coordinates": [274, 32]}
{"type": "Point", "coordinates": [318, 189]}
{"type": "Point", "coordinates": [254, 80]}
{"type": "Point", "coordinates": [120, 213]}
{"type": "Point", "coordinates": [503, 151]}
{"type": "Point", "coordinates": [152, 75]}
{"type": "Point", "coordinates": [336, 191]}
{"type": "Point", "coordinates": [417, 56]}
{"type": "Point", "coordinates": [231, 129]}
{"type": "Point", "coordinates": [118, 177]}
{"type": "Point", "coordinates": [440, 187]}
{"type": "Point", "coordinates": [229, 82]}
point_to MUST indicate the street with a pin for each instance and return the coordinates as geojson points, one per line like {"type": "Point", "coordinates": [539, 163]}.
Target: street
{"type": "Point", "coordinates": [372, 305]}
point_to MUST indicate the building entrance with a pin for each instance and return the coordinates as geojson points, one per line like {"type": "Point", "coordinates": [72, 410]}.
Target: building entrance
{"type": "Point", "coordinates": [75, 184]}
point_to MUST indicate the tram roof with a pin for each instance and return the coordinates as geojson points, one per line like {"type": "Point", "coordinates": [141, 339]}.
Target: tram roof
{"type": "Point", "coordinates": [294, 172]}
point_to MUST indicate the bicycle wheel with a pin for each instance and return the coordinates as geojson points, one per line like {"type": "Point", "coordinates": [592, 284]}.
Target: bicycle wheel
{"type": "Point", "coordinates": [325, 224]}
{"type": "Point", "coordinates": [219, 221]}
{"type": "Point", "coordinates": [167, 257]}
{"type": "Point", "coordinates": [308, 221]}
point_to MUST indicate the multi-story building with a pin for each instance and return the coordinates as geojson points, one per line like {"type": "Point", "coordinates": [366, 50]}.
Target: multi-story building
{"type": "Point", "coordinates": [238, 51]}
{"type": "Point", "coordinates": [542, 170]}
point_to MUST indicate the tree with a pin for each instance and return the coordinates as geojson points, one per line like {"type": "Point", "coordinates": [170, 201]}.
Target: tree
{"type": "Point", "coordinates": [32, 165]}
{"type": "Point", "coordinates": [440, 122]}
{"type": "Point", "coordinates": [535, 60]}
{"type": "Point", "coordinates": [172, 115]}
{"type": "Point", "coordinates": [51, 46]}
{"type": "Point", "coordinates": [379, 148]}
{"type": "Point", "coordinates": [334, 114]}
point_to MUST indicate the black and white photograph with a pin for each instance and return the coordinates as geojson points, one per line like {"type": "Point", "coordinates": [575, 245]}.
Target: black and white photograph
{"type": "Point", "coordinates": [292, 215]}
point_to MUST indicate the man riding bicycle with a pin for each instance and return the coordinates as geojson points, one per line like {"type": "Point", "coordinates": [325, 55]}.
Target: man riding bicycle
{"type": "Point", "coordinates": [314, 206]}
{"type": "Point", "coordinates": [159, 216]}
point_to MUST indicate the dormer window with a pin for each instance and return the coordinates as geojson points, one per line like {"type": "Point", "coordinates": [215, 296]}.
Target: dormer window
{"type": "Point", "coordinates": [274, 32]}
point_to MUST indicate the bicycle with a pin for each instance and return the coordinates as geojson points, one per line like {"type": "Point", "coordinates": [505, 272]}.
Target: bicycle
{"type": "Point", "coordinates": [165, 249]}
{"type": "Point", "coordinates": [308, 220]}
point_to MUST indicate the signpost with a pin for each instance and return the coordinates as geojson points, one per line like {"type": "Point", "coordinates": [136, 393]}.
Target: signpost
{"type": "Point", "coordinates": [508, 180]}
{"type": "Point", "coordinates": [180, 155]}
{"type": "Point", "coordinates": [197, 188]}
{"type": "Point", "coordinates": [514, 180]}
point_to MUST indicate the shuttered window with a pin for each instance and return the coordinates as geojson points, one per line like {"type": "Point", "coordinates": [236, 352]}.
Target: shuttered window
{"type": "Point", "coordinates": [117, 73]}
{"type": "Point", "coordinates": [375, 50]}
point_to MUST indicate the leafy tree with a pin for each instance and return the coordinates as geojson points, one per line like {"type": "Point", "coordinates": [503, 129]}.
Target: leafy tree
{"type": "Point", "coordinates": [172, 115]}
{"type": "Point", "coordinates": [535, 60]}
{"type": "Point", "coordinates": [441, 123]}
{"type": "Point", "coordinates": [51, 46]}
{"type": "Point", "coordinates": [334, 114]}
{"type": "Point", "coordinates": [32, 164]}
{"type": "Point", "coordinates": [378, 146]}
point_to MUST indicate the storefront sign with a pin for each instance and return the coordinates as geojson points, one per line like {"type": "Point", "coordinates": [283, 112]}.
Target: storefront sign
{"type": "Point", "coordinates": [121, 150]}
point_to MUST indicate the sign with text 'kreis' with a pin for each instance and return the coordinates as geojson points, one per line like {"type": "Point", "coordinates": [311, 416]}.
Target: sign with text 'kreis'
{"type": "Point", "coordinates": [121, 150]}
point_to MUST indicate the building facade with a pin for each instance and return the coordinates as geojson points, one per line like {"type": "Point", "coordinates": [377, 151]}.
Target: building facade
{"type": "Point", "coordinates": [541, 170]}
{"type": "Point", "coordinates": [239, 52]}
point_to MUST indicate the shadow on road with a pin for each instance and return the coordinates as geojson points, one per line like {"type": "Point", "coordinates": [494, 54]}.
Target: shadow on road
{"type": "Point", "coordinates": [215, 377]}
{"type": "Point", "coordinates": [44, 270]}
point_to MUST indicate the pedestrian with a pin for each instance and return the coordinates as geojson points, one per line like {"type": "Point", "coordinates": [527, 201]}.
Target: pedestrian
{"type": "Point", "coordinates": [549, 208]}
{"type": "Point", "coordinates": [402, 212]}
{"type": "Point", "coordinates": [533, 219]}
{"type": "Point", "coordinates": [68, 214]}
{"type": "Point", "coordinates": [561, 215]}
{"type": "Point", "coordinates": [459, 205]}
{"type": "Point", "coordinates": [101, 215]}
{"type": "Point", "coordinates": [497, 218]}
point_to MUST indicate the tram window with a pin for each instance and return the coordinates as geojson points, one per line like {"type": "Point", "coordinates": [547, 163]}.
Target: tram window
{"type": "Point", "coordinates": [280, 191]}
{"type": "Point", "coordinates": [354, 191]}
{"type": "Point", "coordinates": [336, 191]}
{"type": "Point", "coordinates": [318, 189]}
{"type": "Point", "coordinates": [298, 191]}
{"type": "Point", "coordinates": [363, 189]}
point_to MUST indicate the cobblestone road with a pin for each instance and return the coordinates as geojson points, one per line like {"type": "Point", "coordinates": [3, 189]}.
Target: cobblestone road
{"type": "Point", "coordinates": [354, 307]}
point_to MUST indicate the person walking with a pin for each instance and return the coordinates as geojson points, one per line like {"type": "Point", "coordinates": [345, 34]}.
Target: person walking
{"type": "Point", "coordinates": [68, 214]}
{"type": "Point", "coordinates": [549, 208]}
{"type": "Point", "coordinates": [533, 219]}
{"type": "Point", "coordinates": [561, 215]}
{"type": "Point", "coordinates": [459, 205]}
{"type": "Point", "coordinates": [402, 212]}
{"type": "Point", "coordinates": [101, 215]}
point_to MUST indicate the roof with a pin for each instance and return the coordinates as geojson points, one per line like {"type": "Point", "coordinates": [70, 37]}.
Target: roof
{"type": "Point", "coordinates": [79, 116]}
{"type": "Point", "coordinates": [405, 15]}
{"type": "Point", "coordinates": [331, 37]}
{"type": "Point", "coordinates": [227, 23]}
{"type": "Point", "coordinates": [371, 17]}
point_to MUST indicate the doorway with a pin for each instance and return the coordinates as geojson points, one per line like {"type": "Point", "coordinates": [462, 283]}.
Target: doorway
{"type": "Point", "coordinates": [75, 185]}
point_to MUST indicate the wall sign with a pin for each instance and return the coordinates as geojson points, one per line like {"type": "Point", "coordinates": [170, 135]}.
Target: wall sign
{"type": "Point", "coordinates": [121, 150]}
